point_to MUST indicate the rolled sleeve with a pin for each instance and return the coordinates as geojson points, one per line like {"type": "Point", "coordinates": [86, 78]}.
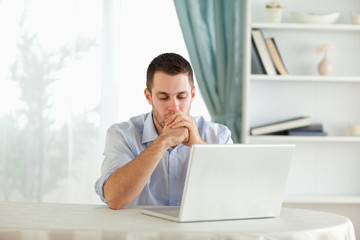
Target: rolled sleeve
{"type": "Point", "coordinates": [118, 152]}
{"type": "Point", "coordinates": [99, 186]}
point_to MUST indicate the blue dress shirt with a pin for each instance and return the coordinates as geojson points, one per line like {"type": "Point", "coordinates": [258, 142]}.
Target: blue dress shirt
{"type": "Point", "coordinates": [125, 141]}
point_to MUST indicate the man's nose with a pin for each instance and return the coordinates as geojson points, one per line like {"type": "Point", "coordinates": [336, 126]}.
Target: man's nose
{"type": "Point", "coordinates": [174, 105]}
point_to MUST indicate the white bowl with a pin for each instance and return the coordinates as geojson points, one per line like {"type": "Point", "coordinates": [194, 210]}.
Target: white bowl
{"type": "Point", "coordinates": [355, 19]}
{"type": "Point", "coordinates": [315, 18]}
{"type": "Point", "coordinates": [354, 129]}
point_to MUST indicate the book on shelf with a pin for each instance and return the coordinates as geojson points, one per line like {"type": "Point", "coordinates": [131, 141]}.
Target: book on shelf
{"type": "Point", "coordinates": [275, 56]}
{"type": "Point", "coordinates": [263, 51]}
{"type": "Point", "coordinates": [282, 125]}
{"type": "Point", "coordinates": [314, 129]}
{"type": "Point", "coordinates": [305, 133]}
{"type": "Point", "coordinates": [257, 66]}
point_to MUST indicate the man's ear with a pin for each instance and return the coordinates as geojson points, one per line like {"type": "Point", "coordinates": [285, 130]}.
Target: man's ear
{"type": "Point", "coordinates": [193, 91]}
{"type": "Point", "coordinates": [148, 96]}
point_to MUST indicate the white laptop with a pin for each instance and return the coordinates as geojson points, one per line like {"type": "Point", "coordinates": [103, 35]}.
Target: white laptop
{"type": "Point", "coordinates": [227, 182]}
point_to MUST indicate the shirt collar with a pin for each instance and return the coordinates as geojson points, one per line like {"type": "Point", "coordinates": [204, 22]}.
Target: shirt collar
{"type": "Point", "coordinates": [149, 131]}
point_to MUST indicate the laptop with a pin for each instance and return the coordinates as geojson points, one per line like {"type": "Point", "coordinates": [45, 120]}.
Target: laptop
{"type": "Point", "coordinates": [231, 181]}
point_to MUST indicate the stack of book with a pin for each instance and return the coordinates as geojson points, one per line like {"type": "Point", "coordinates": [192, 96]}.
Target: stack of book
{"type": "Point", "coordinates": [265, 56]}
{"type": "Point", "coordinates": [298, 126]}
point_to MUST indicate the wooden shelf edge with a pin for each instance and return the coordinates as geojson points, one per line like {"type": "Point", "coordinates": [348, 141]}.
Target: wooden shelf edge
{"type": "Point", "coordinates": [322, 199]}
{"type": "Point", "coordinates": [304, 26]}
{"type": "Point", "coordinates": [304, 78]}
{"type": "Point", "coordinates": [345, 139]}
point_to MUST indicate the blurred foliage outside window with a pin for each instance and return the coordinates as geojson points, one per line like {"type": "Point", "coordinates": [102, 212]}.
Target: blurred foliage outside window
{"type": "Point", "coordinates": [50, 72]}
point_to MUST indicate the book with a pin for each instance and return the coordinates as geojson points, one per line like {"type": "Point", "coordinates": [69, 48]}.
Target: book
{"type": "Point", "coordinates": [263, 51]}
{"type": "Point", "coordinates": [275, 56]}
{"type": "Point", "coordinates": [292, 132]}
{"type": "Point", "coordinates": [314, 127]}
{"type": "Point", "coordinates": [256, 64]}
{"type": "Point", "coordinates": [282, 125]}
{"type": "Point", "coordinates": [306, 133]}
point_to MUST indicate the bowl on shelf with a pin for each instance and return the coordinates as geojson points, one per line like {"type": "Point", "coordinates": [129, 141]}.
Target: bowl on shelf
{"type": "Point", "coordinates": [354, 129]}
{"type": "Point", "coordinates": [355, 19]}
{"type": "Point", "coordinates": [315, 18]}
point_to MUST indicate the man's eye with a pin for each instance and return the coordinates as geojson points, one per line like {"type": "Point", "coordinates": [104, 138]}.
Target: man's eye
{"type": "Point", "coordinates": [163, 98]}
{"type": "Point", "coordinates": [181, 97]}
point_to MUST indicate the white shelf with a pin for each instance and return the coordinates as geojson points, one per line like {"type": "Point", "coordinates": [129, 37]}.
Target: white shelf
{"type": "Point", "coordinates": [323, 199]}
{"type": "Point", "coordinates": [300, 26]}
{"type": "Point", "coordinates": [340, 139]}
{"type": "Point", "coordinates": [332, 100]}
{"type": "Point", "coordinates": [305, 78]}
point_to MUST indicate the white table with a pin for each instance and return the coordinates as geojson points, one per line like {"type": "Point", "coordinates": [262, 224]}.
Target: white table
{"type": "Point", "coordinates": [44, 221]}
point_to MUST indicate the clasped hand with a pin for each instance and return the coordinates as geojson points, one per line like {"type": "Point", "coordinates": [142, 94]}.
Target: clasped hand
{"type": "Point", "coordinates": [182, 129]}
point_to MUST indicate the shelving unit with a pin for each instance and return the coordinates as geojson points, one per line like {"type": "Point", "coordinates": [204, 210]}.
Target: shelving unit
{"type": "Point", "coordinates": [324, 169]}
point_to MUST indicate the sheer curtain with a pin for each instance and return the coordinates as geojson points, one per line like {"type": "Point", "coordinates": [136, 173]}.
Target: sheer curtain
{"type": "Point", "coordinates": [68, 70]}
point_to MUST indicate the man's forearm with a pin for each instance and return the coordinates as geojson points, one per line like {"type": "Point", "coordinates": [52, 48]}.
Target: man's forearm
{"type": "Point", "coordinates": [125, 184]}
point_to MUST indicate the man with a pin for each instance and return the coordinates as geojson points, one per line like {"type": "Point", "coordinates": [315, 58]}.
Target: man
{"type": "Point", "coordinates": [146, 158]}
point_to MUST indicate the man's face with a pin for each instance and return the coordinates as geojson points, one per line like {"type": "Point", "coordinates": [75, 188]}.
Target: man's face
{"type": "Point", "coordinates": [169, 93]}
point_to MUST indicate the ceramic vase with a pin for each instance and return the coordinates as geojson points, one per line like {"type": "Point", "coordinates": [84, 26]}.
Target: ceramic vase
{"type": "Point", "coordinates": [325, 67]}
{"type": "Point", "coordinates": [274, 15]}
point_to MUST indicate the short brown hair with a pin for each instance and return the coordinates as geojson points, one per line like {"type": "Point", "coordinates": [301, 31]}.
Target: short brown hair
{"type": "Point", "coordinates": [169, 63]}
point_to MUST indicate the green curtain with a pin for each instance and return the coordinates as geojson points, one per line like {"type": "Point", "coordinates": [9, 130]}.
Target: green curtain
{"type": "Point", "coordinates": [213, 32]}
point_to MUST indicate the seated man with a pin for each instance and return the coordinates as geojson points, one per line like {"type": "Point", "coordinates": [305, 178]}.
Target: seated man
{"type": "Point", "coordinates": [146, 158]}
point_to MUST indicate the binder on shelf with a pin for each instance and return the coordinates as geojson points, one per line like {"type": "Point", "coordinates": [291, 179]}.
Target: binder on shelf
{"type": "Point", "coordinates": [263, 51]}
{"type": "Point", "coordinates": [275, 56]}
{"type": "Point", "coordinates": [282, 125]}
{"type": "Point", "coordinates": [257, 66]}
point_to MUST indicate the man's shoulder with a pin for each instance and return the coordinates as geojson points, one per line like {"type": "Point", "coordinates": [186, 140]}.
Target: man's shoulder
{"type": "Point", "coordinates": [202, 123]}
{"type": "Point", "coordinates": [212, 132]}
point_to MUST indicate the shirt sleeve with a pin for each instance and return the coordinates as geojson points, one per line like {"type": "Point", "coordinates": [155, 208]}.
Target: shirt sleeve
{"type": "Point", "coordinates": [118, 152]}
{"type": "Point", "coordinates": [99, 186]}
{"type": "Point", "coordinates": [224, 134]}
{"type": "Point", "coordinates": [213, 133]}
{"type": "Point", "coordinates": [227, 136]}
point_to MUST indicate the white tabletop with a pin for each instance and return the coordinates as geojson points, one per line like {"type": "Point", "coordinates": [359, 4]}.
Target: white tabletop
{"type": "Point", "coordinates": [76, 221]}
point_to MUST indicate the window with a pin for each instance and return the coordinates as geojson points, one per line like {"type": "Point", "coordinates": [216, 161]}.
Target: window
{"type": "Point", "coordinates": [54, 85]}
